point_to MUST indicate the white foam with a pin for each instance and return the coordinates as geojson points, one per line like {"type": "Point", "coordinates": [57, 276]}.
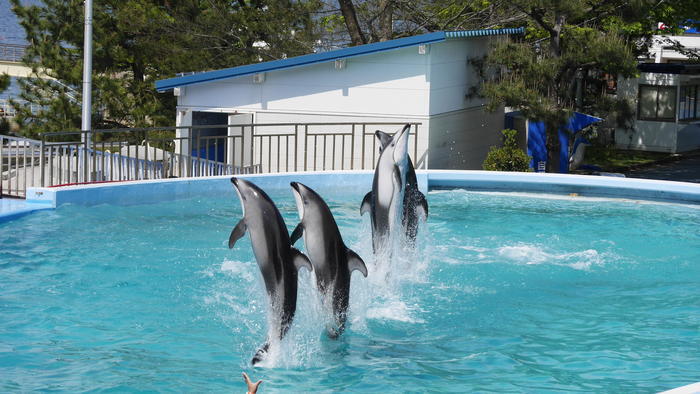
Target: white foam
{"type": "Point", "coordinates": [393, 310]}
{"type": "Point", "coordinates": [238, 268]}
{"type": "Point", "coordinates": [533, 254]}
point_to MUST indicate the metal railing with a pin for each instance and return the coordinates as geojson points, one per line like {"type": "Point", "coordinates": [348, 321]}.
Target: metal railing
{"type": "Point", "coordinates": [12, 52]}
{"type": "Point", "coordinates": [194, 151]}
{"type": "Point", "coordinates": [19, 165]}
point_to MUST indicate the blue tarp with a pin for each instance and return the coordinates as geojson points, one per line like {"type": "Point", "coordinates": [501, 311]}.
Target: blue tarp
{"type": "Point", "coordinates": [537, 137]}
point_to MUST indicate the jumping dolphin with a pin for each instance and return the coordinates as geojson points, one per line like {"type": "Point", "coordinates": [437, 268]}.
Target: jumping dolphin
{"type": "Point", "coordinates": [385, 201]}
{"type": "Point", "coordinates": [415, 205]}
{"type": "Point", "coordinates": [277, 259]}
{"type": "Point", "coordinates": [333, 262]}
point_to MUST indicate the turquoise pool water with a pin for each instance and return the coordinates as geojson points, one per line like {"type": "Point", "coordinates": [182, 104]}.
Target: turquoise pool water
{"type": "Point", "coordinates": [507, 293]}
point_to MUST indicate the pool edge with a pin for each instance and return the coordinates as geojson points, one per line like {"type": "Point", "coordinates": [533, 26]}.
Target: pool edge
{"type": "Point", "coordinates": [151, 191]}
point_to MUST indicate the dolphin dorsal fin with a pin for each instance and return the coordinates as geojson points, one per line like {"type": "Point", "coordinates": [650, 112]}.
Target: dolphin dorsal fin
{"type": "Point", "coordinates": [421, 205]}
{"type": "Point", "coordinates": [237, 233]}
{"type": "Point", "coordinates": [366, 205]}
{"type": "Point", "coordinates": [300, 260]}
{"type": "Point", "coordinates": [297, 233]}
{"type": "Point", "coordinates": [355, 262]}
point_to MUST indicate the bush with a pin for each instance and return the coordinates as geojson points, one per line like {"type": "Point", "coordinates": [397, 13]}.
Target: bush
{"type": "Point", "coordinates": [509, 157]}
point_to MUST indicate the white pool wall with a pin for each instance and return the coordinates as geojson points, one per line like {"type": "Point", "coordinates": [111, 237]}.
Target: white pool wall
{"type": "Point", "coordinates": [360, 182]}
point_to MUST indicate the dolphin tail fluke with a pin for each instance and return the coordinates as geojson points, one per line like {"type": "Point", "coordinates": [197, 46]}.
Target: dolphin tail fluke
{"type": "Point", "coordinates": [355, 262]}
{"type": "Point", "coordinates": [261, 353]}
{"type": "Point", "coordinates": [237, 233]}
{"type": "Point", "coordinates": [300, 260]}
{"type": "Point", "coordinates": [366, 205]}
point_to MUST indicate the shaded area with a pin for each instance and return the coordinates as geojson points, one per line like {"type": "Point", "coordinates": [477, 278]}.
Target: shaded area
{"type": "Point", "coordinates": [686, 169]}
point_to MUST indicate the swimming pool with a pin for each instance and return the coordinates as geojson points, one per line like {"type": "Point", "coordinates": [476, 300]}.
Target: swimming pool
{"type": "Point", "coordinates": [508, 292]}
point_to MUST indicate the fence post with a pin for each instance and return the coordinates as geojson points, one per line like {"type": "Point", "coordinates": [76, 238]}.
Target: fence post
{"type": "Point", "coordinates": [86, 162]}
{"type": "Point", "coordinates": [42, 155]}
{"type": "Point", "coordinates": [2, 161]}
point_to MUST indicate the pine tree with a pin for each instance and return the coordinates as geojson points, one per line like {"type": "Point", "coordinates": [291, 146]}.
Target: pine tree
{"type": "Point", "coordinates": [135, 43]}
{"type": "Point", "coordinates": [572, 48]}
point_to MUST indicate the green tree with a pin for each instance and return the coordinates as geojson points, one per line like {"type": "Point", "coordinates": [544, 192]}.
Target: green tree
{"type": "Point", "coordinates": [509, 157]}
{"type": "Point", "coordinates": [571, 49]}
{"type": "Point", "coordinates": [4, 84]}
{"type": "Point", "coordinates": [135, 43]}
{"type": "Point", "coordinates": [365, 21]}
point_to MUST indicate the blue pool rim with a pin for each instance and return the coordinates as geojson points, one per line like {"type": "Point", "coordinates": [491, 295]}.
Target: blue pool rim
{"type": "Point", "coordinates": [153, 191]}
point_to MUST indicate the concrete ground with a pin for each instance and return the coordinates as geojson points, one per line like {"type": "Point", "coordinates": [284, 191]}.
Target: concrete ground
{"type": "Point", "coordinates": [686, 169]}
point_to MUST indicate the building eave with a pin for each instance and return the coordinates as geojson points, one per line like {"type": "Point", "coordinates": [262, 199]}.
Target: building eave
{"type": "Point", "coordinates": [344, 53]}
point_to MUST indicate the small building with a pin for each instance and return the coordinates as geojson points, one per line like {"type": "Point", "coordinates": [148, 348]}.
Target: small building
{"type": "Point", "coordinates": [667, 116]}
{"type": "Point", "coordinates": [427, 80]}
{"type": "Point", "coordinates": [664, 97]}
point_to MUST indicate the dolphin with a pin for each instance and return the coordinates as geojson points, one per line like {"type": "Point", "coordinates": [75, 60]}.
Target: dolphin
{"type": "Point", "coordinates": [277, 259]}
{"type": "Point", "coordinates": [415, 205]}
{"type": "Point", "coordinates": [385, 201]}
{"type": "Point", "coordinates": [333, 262]}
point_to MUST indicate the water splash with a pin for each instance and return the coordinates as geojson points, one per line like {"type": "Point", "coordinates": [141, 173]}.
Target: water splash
{"type": "Point", "coordinates": [534, 255]}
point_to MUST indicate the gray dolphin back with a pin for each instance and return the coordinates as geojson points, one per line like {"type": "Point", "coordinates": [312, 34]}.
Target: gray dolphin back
{"type": "Point", "coordinates": [333, 262]}
{"type": "Point", "coordinates": [277, 259]}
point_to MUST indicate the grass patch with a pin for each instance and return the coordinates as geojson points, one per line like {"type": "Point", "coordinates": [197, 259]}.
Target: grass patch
{"type": "Point", "coordinates": [611, 159]}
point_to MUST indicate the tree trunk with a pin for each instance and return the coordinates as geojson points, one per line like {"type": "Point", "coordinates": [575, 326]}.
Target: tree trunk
{"type": "Point", "coordinates": [555, 42]}
{"type": "Point", "coordinates": [553, 148]}
{"type": "Point", "coordinates": [386, 21]}
{"type": "Point", "coordinates": [348, 10]}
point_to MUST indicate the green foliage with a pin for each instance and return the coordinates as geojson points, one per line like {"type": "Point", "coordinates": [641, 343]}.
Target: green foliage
{"type": "Point", "coordinates": [562, 65]}
{"type": "Point", "coordinates": [4, 82]}
{"type": "Point", "coordinates": [509, 157]}
{"type": "Point", "coordinates": [135, 43]}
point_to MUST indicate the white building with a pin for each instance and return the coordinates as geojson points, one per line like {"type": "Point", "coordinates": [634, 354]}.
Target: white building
{"type": "Point", "coordinates": [424, 79]}
{"type": "Point", "coordinates": [666, 97]}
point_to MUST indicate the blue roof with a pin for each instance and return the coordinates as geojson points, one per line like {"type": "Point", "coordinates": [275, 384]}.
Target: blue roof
{"type": "Point", "coordinates": [165, 84]}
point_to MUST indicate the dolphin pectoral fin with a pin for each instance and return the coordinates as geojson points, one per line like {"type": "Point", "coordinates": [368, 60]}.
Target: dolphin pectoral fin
{"type": "Point", "coordinates": [355, 262]}
{"type": "Point", "coordinates": [297, 233]}
{"type": "Point", "coordinates": [237, 233]}
{"type": "Point", "coordinates": [421, 205]}
{"type": "Point", "coordinates": [397, 176]}
{"type": "Point", "coordinates": [366, 205]}
{"type": "Point", "coordinates": [300, 260]}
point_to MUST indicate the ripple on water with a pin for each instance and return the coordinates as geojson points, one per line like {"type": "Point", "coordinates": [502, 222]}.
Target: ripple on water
{"type": "Point", "coordinates": [503, 294]}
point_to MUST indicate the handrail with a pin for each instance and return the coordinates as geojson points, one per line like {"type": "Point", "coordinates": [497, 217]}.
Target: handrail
{"type": "Point", "coordinates": [193, 151]}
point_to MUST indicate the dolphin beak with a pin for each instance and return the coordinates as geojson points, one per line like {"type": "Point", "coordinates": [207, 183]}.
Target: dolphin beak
{"type": "Point", "coordinates": [296, 187]}
{"type": "Point", "coordinates": [401, 140]}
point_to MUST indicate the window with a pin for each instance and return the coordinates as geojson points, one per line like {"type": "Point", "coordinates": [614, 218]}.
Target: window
{"type": "Point", "coordinates": [657, 103]}
{"type": "Point", "coordinates": [688, 107]}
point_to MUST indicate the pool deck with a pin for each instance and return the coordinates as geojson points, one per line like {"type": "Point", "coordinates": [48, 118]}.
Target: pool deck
{"type": "Point", "coordinates": [343, 182]}
{"type": "Point", "coordinates": [13, 208]}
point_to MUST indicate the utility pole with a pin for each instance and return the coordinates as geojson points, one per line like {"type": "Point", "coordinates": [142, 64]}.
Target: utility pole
{"type": "Point", "coordinates": [87, 76]}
